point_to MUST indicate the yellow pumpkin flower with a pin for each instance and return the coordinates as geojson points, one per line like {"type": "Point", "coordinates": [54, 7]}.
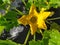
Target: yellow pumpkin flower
{"type": "Point", "coordinates": [35, 19]}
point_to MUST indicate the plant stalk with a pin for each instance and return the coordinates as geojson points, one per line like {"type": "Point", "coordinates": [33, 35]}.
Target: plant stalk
{"type": "Point", "coordinates": [34, 37]}
{"type": "Point", "coordinates": [19, 11]}
{"type": "Point", "coordinates": [27, 38]}
{"type": "Point", "coordinates": [54, 18]}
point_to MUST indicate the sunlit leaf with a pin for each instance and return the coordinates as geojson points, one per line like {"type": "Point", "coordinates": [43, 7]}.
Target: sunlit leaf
{"type": "Point", "coordinates": [7, 42]}
{"type": "Point", "coordinates": [32, 42]}
{"type": "Point", "coordinates": [6, 1]}
{"type": "Point", "coordinates": [54, 3]}
{"type": "Point", "coordinates": [54, 37]}
{"type": "Point", "coordinates": [1, 29]}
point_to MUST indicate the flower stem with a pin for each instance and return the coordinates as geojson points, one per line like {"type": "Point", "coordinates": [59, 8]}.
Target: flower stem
{"type": "Point", "coordinates": [27, 38]}
{"type": "Point", "coordinates": [19, 11]}
{"type": "Point", "coordinates": [34, 37]}
{"type": "Point", "coordinates": [24, 2]}
{"type": "Point", "coordinates": [41, 32]}
{"type": "Point", "coordinates": [7, 9]}
{"type": "Point", "coordinates": [47, 22]}
{"type": "Point", "coordinates": [54, 18]}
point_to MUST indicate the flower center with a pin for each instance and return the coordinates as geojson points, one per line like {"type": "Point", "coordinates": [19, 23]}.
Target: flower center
{"type": "Point", "coordinates": [33, 19]}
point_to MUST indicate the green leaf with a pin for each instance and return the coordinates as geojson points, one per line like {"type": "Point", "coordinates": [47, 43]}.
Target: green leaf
{"type": "Point", "coordinates": [55, 26]}
{"type": "Point", "coordinates": [34, 42]}
{"type": "Point", "coordinates": [11, 14]}
{"type": "Point", "coordinates": [1, 2]}
{"type": "Point", "coordinates": [7, 42]}
{"type": "Point", "coordinates": [28, 5]}
{"type": "Point", "coordinates": [9, 20]}
{"type": "Point", "coordinates": [46, 37]}
{"type": "Point", "coordinates": [1, 29]}
{"type": "Point", "coordinates": [51, 37]}
{"type": "Point", "coordinates": [30, 1]}
{"type": "Point", "coordinates": [54, 37]}
{"type": "Point", "coordinates": [46, 34]}
{"type": "Point", "coordinates": [55, 34]}
{"type": "Point", "coordinates": [40, 4]}
{"type": "Point", "coordinates": [3, 6]}
{"type": "Point", "coordinates": [6, 1]}
{"type": "Point", "coordinates": [39, 42]}
{"type": "Point", "coordinates": [54, 3]}
{"type": "Point", "coordinates": [0, 15]}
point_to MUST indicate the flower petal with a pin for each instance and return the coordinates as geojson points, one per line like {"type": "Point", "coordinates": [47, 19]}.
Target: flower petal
{"type": "Point", "coordinates": [31, 9]}
{"type": "Point", "coordinates": [23, 20]}
{"type": "Point", "coordinates": [44, 15]}
{"type": "Point", "coordinates": [33, 28]}
{"type": "Point", "coordinates": [41, 24]}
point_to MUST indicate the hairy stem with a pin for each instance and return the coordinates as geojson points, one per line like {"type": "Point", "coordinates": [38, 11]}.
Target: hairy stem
{"type": "Point", "coordinates": [24, 2]}
{"type": "Point", "coordinates": [34, 37]}
{"type": "Point", "coordinates": [27, 38]}
{"type": "Point", "coordinates": [19, 11]}
{"type": "Point", "coordinates": [54, 18]}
